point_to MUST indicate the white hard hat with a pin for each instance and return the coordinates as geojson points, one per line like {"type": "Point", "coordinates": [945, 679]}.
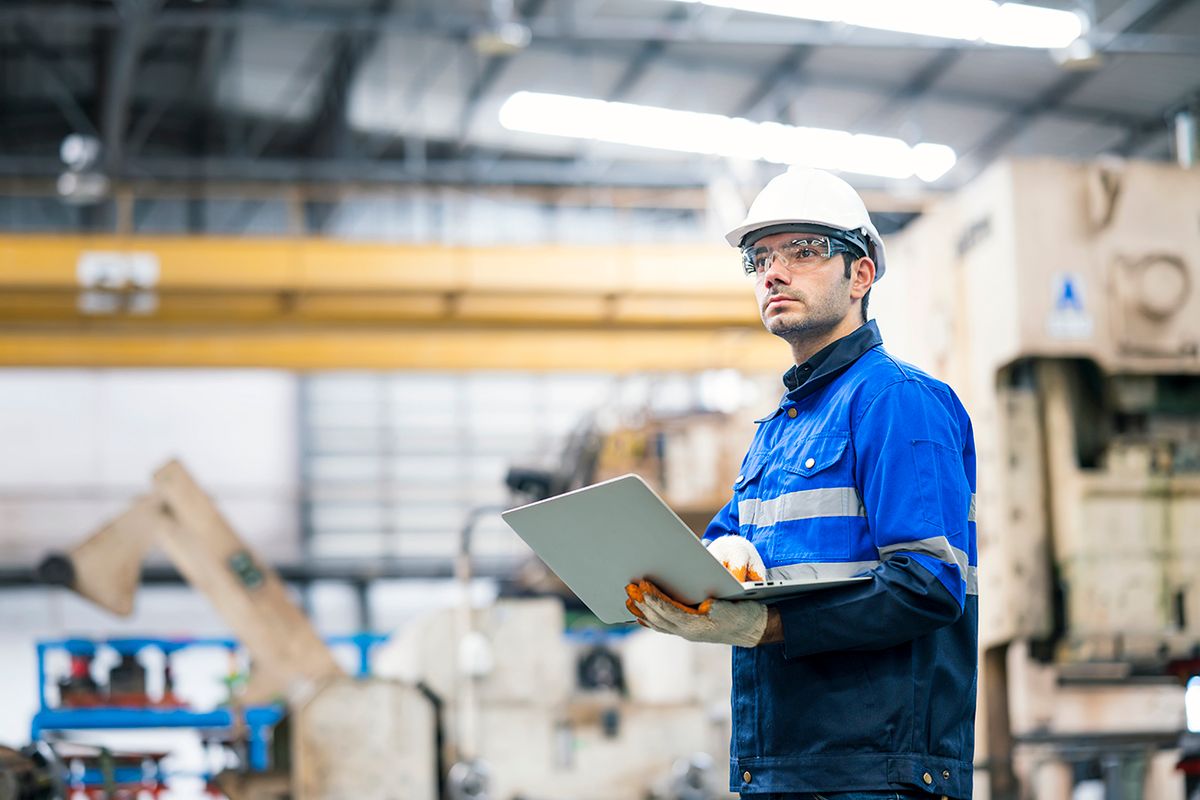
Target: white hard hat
{"type": "Point", "coordinates": [811, 197]}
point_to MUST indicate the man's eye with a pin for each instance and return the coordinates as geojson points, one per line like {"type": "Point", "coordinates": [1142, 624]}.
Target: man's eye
{"type": "Point", "coordinates": [807, 252]}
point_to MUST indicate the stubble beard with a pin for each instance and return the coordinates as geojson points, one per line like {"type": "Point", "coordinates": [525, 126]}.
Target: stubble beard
{"type": "Point", "coordinates": [813, 322]}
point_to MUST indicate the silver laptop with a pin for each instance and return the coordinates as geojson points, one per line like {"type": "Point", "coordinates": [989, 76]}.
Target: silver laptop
{"type": "Point", "coordinates": [602, 537]}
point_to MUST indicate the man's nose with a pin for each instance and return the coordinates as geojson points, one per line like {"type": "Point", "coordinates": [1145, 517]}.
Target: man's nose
{"type": "Point", "coordinates": [776, 271]}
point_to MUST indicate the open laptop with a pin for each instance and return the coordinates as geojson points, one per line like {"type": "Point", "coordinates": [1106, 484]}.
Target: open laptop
{"type": "Point", "coordinates": [602, 537]}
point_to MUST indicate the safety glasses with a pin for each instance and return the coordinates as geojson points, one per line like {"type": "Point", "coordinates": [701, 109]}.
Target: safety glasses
{"type": "Point", "coordinates": [809, 251]}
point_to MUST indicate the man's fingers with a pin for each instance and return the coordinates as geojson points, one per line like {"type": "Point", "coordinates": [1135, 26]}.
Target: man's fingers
{"type": "Point", "coordinates": [652, 592]}
{"type": "Point", "coordinates": [660, 617]}
{"type": "Point", "coordinates": [634, 609]}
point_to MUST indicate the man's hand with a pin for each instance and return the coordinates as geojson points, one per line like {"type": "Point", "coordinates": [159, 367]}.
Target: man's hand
{"type": "Point", "coordinates": [736, 622]}
{"type": "Point", "coordinates": [738, 556]}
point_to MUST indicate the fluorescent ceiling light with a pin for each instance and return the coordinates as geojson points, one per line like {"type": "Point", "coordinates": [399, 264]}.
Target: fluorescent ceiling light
{"type": "Point", "coordinates": [717, 135]}
{"type": "Point", "coordinates": [1012, 24]}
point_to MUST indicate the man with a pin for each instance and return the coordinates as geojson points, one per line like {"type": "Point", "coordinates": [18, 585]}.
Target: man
{"type": "Point", "coordinates": [867, 467]}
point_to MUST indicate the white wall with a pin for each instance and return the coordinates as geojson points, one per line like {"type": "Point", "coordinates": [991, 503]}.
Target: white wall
{"type": "Point", "coordinates": [79, 444]}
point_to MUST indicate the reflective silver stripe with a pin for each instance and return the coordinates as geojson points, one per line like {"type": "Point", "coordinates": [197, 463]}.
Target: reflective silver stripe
{"type": "Point", "coordinates": [807, 571]}
{"type": "Point", "coordinates": [845, 569]}
{"type": "Point", "coordinates": [842, 501]}
{"type": "Point", "coordinates": [937, 546]}
{"type": "Point", "coordinates": [971, 513]}
{"type": "Point", "coordinates": [940, 548]}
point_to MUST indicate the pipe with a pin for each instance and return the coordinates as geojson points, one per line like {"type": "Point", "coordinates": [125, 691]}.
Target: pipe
{"type": "Point", "coordinates": [1185, 137]}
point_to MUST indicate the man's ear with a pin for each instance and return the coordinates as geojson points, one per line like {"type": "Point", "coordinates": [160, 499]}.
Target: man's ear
{"type": "Point", "coordinates": [862, 277]}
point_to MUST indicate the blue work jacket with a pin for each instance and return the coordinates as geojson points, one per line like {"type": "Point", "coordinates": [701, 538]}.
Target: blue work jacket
{"type": "Point", "coordinates": [867, 467]}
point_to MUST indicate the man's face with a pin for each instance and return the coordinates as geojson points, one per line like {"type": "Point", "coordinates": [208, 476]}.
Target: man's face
{"type": "Point", "coordinates": [801, 299]}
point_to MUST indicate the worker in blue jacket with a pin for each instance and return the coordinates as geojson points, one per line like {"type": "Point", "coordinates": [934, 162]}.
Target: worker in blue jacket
{"type": "Point", "coordinates": [867, 466]}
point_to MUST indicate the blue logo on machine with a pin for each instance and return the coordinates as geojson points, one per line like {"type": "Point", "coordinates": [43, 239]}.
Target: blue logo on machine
{"type": "Point", "coordinates": [1068, 295]}
{"type": "Point", "coordinates": [1069, 318]}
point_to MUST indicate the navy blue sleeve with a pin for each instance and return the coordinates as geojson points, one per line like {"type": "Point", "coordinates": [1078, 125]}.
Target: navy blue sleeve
{"type": "Point", "coordinates": [911, 470]}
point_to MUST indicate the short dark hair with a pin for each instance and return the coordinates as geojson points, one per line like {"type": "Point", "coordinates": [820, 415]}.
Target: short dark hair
{"type": "Point", "coordinates": [850, 258]}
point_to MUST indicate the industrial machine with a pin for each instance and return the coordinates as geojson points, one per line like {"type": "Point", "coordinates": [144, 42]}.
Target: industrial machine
{"type": "Point", "coordinates": [289, 661]}
{"type": "Point", "coordinates": [596, 714]}
{"type": "Point", "coordinates": [1060, 301]}
{"type": "Point", "coordinates": [466, 703]}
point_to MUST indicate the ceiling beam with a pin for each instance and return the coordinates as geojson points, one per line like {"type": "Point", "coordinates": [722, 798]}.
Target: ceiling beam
{"type": "Point", "coordinates": [917, 87]}
{"type": "Point", "coordinates": [127, 43]}
{"type": "Point", "coordinates": [1137, 138]}
{"type": "Point", "coordinates": [317, 64]}
{"type": "Point", "coordinates": [489, 74]}
{"type": "Point", "coordinates": [331, 120]}
{"type": "Point", "coordinates": [31, 42]}
{"type": "Point", "coordinates": [634, 71]}
{"type": "Point", "coordinates": [548, 42]}
{"type": "Point", "coordinates": [784, 74]}
{"type": "Point", "coordinates": [1134, 16]}
{"type": "Point", "coordinates": [459, 171]}
{"type": "Point", "coordinates": [650, 52]}
{"type": "Point", "coordinates": [738, 30]}
{"type": "Point", "coordinates": [211, 50]}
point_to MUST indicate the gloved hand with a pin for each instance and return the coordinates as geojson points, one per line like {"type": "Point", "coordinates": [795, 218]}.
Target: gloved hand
{"type": "Point", "coordinates": [739, 556]}
{"type": "Point", "coordinates": [737, 622]}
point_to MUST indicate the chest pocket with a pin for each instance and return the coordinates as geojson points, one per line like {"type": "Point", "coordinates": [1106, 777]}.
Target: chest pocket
{"type": "Point", "coordinates": [816, 504]}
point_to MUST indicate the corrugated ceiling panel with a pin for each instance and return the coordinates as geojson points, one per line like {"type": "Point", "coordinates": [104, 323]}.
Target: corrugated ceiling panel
{"type": "Point", "coordinates": [960, 127]}
{"type": "Point", "coordinates": [824, 107]}
{"type": "Point", "coordinates": [1141, 84]}
{"type": "Point", "coordinates": [708, 90]}
{"type": "Point", "coordinates": [1013, 74]}
{"type": "Point", "coordinates": [886, 69]}
{"type": "Point", "coordinates": [1059, 137]}
{"type": "Point", "coordinates": [540, 71]}
{"type": "Point", "coordinates": [274, 70]}
{"type": "Point", "coordinates": [410, 84]}
{"type": "Point", "coordinates": [1184, 21]}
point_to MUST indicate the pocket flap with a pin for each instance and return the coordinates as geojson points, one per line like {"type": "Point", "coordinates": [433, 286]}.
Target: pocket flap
{"type": "Point", "coordinates": [816, 453]}
{"type": "Point", "coordinates": [750, 470]}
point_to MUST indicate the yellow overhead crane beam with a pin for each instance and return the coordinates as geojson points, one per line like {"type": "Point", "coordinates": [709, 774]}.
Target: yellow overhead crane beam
{"type": "Point", "coordinates": [321, 304]}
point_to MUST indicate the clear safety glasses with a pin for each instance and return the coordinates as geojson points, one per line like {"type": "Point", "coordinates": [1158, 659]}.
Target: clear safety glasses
{"type": "Point", "coordinates": [809, 251]}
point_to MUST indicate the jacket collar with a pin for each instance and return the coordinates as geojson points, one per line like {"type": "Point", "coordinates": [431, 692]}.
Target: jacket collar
{"type": "Point", "coordinates": [827, 363]}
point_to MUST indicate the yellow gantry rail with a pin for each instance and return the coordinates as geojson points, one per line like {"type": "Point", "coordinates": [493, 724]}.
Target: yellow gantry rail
{"type": "Point", "coordinates": [320, 304]}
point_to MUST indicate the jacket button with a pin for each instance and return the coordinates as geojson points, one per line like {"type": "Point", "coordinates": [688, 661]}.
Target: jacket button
{"type": "Point", "coordinates": [792, 413]}
{"type": "Point", "coordinates": [809, 463]}
{"type": "Point", "coordinates": [927, 778]}
{"type": "Point", "coordinates": [945, 774]}
{"type": "Point", "coordinates": [746, 777]}
{"type": "Point", "coordinates": [739, 478]}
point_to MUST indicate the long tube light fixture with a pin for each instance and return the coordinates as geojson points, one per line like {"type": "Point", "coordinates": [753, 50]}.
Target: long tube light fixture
{"type": "Point", "coordinates": [718, 135]}
{"type": "Point", "coordinates": [1011, 24]}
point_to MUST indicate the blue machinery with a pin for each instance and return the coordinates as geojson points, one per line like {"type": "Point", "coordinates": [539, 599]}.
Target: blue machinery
{"type": "Point", "coordinates": [257, 721]}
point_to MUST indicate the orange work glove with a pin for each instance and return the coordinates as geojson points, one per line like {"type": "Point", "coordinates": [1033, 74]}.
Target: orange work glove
{"type": "Point", "coordinates": [736, 622]}
{"type": "Point", "coordinates": [738, 556]}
